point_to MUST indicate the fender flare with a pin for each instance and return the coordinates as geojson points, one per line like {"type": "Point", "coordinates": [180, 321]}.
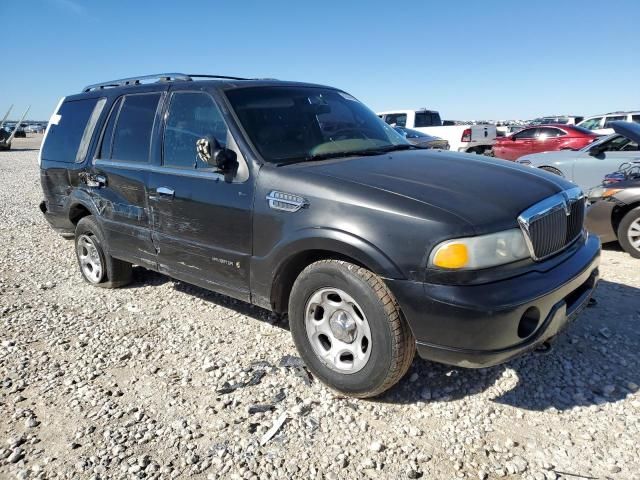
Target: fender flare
{"type": "Point", "coordinates": [270, 275]}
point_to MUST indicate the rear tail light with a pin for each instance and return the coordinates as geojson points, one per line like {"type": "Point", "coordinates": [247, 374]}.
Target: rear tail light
{"type": "Point", "coordinates": [466, 135]}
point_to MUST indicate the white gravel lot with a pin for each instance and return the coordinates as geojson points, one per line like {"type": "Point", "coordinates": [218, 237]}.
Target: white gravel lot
{"type": "Point", "coordinates": [130, 383]}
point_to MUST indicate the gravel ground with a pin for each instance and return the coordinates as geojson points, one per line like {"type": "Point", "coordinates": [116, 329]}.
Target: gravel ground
{"type": "Point", "coordinates": [162, 379]}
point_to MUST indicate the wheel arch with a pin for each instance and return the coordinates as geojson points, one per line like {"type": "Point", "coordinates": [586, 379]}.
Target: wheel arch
{"type": "Point", "coordinates": [323, 245]}
{"type": "Point", "coordinates": [80, 205]}
{"type": "Point", "coordinates": [620, 211]}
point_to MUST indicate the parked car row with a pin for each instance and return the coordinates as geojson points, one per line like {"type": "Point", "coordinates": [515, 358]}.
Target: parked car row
{"type": "Point", "coordinates": [461, 138]}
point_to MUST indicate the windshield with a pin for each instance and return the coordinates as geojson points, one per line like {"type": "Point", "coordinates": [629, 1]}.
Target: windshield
{"type": "Point", "coordinates": [298, 123]}
{"type": "Point", "coordinates": [613, 143]}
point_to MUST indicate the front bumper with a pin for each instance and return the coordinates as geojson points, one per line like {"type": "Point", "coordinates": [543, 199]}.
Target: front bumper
{"type": "Point", "coordinates": [599, 222]}
{"type": "Point", "coordinates": [482, 325]}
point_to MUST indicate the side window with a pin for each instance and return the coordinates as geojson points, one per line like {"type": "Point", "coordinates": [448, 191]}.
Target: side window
{"type": "Point", "coordinates": [428, 119]}
{"type": "Point", "coordinates": [68, 139]}
{"type": "Point", "coordinates": [192, 115]}
{"type": "Point", "coordinates": [592, 123]}
{"type": "Point", "coordinates": [635, 118]}
{"type": "Point", "coordinates": [107, 136]}
{"type": "Point", "coordinates": [399, 119]}
{"type": "Point", "coordinates": [527, 133]}
{"type": "Point", "coordinates": [546, 132]}
{"type": "Point", "coordinates": [132, 136]}
{"type": "Point", "coordinates": [617, 118]}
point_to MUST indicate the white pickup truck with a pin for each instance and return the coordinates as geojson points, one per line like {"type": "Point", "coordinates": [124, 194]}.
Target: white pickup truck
{"type": "Point", "coordinates": [461, 138]}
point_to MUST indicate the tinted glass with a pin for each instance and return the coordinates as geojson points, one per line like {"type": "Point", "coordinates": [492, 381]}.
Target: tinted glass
{"type": "Point", "coordinates": [592, 123]}
{"type": "Point", "coordinates": [524, 134]}
{"type": "Point", "coordinates": [428, 119]}
{"type": "Point", "coordinates": [635, 118]}
{"type": "Point", "coordinates": [63, 139]}
{"type": "Point", "coordinates": [618, 118]}
{"type": "Point", "coordinates": [132, 135]}
{"type": "Point", "coordinates": [617, 143]}
{"type": "Point", "coordinates": [107, 136]}
{"type": "Point", "coordinates": [192, 115]}
{"type": "Point", "coordinates": [398, 119]}
{"type": "Point", "coordinates": [297, 123]}
{"type": "Point", "coordinates": [549, 133]}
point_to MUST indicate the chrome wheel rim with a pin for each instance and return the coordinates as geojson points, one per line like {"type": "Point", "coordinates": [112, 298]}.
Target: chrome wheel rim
{"type": "Point", "coordinates": [338, 330]}
{"type": "Point", "coordinates": [633, 234]}
{"type": "Point", "coordinates": [90, 262]}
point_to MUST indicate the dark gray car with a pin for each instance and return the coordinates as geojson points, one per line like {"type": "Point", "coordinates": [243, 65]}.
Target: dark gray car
{"type": "Point", "coordinates": [297, 198]}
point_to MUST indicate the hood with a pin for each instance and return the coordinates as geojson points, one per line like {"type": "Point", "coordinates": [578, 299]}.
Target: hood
{"type": "Point", "coordinates": [628, 129]}
{"type": "Point", "coordinates": [488, 194]}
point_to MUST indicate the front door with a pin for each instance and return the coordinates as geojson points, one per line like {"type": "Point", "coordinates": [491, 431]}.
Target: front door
{"type": "Point", "coordinates": [518, 144]}
{"type": "Point", "coordinates": [201, 220]}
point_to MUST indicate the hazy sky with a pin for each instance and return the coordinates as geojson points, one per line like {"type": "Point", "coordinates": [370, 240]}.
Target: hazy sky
{"type": "Point", "coordinates": [467, 59]}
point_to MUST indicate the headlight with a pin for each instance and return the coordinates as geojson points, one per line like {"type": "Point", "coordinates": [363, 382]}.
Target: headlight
{"type": "Point", "coordinates": [480, 252]}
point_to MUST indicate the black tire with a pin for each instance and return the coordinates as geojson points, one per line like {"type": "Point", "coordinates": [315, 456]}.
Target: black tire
{"type": "Point", "coordinates": [553, 170]}
{"type": "Point", "coordinates": [114, 273]}
{"type": "Point", "coordinates": [623, 231]}
{"type": "Point", "coordinates": [392, 345]}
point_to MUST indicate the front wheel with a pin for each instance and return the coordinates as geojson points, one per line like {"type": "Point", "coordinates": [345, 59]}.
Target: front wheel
{"type": "Point", "coordinates": [349, 329]}
{"type": "Point", "coordinates": [629, 233]}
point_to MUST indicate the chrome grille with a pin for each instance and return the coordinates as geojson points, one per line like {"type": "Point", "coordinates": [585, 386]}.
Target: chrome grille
{"type": "Point", "coordinates": [554, 223]}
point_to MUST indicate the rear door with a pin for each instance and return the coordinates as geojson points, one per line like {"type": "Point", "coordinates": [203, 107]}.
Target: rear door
{"type": "Point", "coordinates": [121, 171]}
{"type": "Point", "coordinates": [201, 219]}
{"type": "Point", "coordinates": [547, 139]}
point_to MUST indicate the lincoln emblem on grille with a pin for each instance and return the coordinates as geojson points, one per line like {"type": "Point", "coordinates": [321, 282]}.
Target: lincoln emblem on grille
{"type": "Point", "coordinates": [546, 229]}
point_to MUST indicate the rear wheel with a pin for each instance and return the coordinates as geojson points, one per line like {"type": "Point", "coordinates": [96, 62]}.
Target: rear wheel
{"type": "Point", "coordinates": [629, 233]}
{"type": "Point", "coordinates": [349, 329]}
{"type": "Point", "coordinates": [97, 267]}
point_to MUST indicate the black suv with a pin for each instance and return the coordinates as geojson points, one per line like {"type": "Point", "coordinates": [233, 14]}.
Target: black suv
{"type": "Point", "coordinates": [297, 198]}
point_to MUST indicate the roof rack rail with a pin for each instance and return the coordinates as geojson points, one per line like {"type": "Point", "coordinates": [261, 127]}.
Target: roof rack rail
{"type": "Point", "coordinates": [223, 77]}
{"type": "Point", "coordinates": [159, 77]}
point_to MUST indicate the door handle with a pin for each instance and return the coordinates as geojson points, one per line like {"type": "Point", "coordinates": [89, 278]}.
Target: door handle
{"type": "Point", "coordinates": [93, 180]}
{"type": "Point", "coordinates": [165, 192]}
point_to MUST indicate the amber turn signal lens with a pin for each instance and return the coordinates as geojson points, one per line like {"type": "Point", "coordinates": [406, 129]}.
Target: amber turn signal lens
{"type": "Point", "coordinates": [454, 255]}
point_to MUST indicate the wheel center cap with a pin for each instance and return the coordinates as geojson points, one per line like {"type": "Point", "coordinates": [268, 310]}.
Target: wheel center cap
{"type": "Point", "coordinates": [343, 326]}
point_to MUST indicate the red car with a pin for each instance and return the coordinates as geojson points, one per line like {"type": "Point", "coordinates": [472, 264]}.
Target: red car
{"type": "Point", "coordinates": [542, 138]}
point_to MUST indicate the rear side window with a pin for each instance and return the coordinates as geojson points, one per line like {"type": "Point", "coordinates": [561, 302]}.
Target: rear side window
{"type": "Point", "coordinates": [132, 135]}
{"type": "Point", "coordinates": [549, 133]}
{"type": "Point", "coordinates": [69, 137]}
{"type": "Point", "coordinates": [618, 118]}
{"type": "Point", "coordinates": [107, 137]}
{"type": "Point", "coordinates": [428, 119]}
{"type": "Point", "coordinates": [635, 118]}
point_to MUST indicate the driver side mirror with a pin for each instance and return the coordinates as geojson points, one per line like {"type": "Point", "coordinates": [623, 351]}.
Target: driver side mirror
{"type": "Point", "coordinates": [212, 153]}
{"type": "Point", "coordinates": [595, 150]}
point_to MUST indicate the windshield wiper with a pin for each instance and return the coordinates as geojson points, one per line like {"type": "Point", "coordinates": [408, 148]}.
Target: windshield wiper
{"type": "Point", "coordinates": [351, 153]}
